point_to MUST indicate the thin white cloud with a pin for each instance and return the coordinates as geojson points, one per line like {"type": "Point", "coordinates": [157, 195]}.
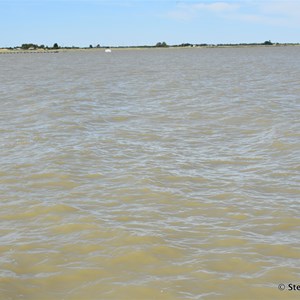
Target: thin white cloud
{"type": "Point", "coordinates": [216, 6]}
{"type": "Point", "coordinates": [288, 8]}
{"type": "Point", "coordinates": [274, 12]}
{"type": "Point", "coordinates": [271, 12]}
{"type": "Point", "coordinates": [259, 19]}
{"type": "Point", "coordinates": [187, 11]}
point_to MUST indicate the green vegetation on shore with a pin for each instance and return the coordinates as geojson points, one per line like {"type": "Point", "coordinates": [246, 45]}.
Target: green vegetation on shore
{"type": "Point", "coordinates": [36, 47]}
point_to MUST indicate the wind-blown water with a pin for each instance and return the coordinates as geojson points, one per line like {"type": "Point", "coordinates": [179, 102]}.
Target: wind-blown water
{"type": "Point", "coordinates": [154, 174]}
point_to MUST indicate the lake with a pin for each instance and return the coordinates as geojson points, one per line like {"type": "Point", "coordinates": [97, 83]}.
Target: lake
{"type": "Point", "coordinates": [150, 174]}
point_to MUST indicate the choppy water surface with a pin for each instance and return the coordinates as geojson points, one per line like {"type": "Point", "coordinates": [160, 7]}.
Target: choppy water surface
{"type": "Point", "coordinates": [154, 174]}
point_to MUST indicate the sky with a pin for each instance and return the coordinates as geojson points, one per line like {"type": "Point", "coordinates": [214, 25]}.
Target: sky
{"type": "Point", "coordinates": [137, 22]}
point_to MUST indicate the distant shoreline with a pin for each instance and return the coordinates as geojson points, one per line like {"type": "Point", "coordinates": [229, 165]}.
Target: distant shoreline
{"type": "Point", "coordinates": [75, 49]}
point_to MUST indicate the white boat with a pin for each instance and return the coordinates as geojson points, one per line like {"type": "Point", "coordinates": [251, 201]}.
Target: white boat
{"type": "Point", "coordinates": [107, 50]}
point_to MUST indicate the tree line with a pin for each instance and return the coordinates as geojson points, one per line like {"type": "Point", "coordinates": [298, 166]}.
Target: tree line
{"type": "Point", "coordinates": [32, 46]}
{"type": "Point", "coordinates": [35, 46]}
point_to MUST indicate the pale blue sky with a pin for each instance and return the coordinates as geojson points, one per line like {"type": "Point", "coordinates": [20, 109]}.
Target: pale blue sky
{"type": "Point", "coordinates": [138, 22]}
